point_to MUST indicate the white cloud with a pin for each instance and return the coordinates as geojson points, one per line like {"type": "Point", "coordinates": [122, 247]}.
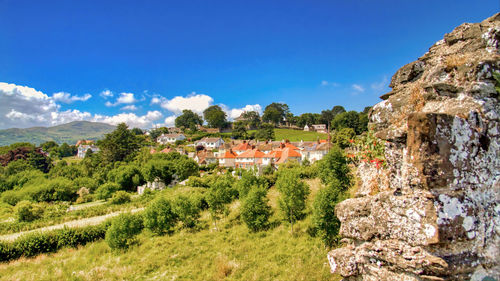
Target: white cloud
{"type": "Point", "coordinates": [328, 83]}
{"type": "Point", "coordinates": [378, 86]}
{"type": "Point", "coordinates": [156, 100]}
{"type": "Point", "coordinates": [106, 94]}
{"type": "Point", "coordinates": [358, 87]}
{"type": "Point", "coordinates": [129, 107]}
{"type": "Point", "coordinates": [195, 102]}
{"type": "Point", "coordinates": [68, 98]}
{"type": "Point", "coordinates": [124, 98]}
{"type": "Point", "coordinates": [22, 107]}
{"type": "Point", "coordinates": [236, 112]}
{"type": "Point", "coordinates": [170, 121]}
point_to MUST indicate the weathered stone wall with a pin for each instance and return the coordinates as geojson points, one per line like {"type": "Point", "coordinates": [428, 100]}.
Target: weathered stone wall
{"type": "Point", "coordinates": [433, 212]}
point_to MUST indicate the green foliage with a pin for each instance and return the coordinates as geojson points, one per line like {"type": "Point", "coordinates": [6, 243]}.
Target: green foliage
{"type": "Point", "coordinates": [128, 177]}
{"type": "Point", "coordinates": [351, 119]}
{"type": "Point", "coordinates": [219, 194]}
{"type": "Point", "coordinates": [119, 144]}
{"type": "Point", "coordinates": [187, 209]}
{"type": "Point", "coordinates": [188, 120]}
{"type": "Point", "coordinates": [123, 229]}
{"type": "Point", "coordinates": [120, 197]}
{"type": "Point", "coordinates": [247, 181]}
{"type": "Point", "coordinates": [26, 211]}
{"type": "Point", "coordinates": [198, 182]}
{"type": "Point", "coordinates": [159, 216]}
{"type": "Point", "coordinates": [265, 132]}
{"type": "Point", "coordinates": [275, 113]}
{"type": "Point", "coordinates": [106, 190]}
{"type": "Point", "coordinates": [155, 133]}
{"type": "Point", "coordinates": [252, 119]}
{"type": "Point", "coordinates": [333, 168]}
{"type": "Point", "coordinates": [185, 167]}
{"type": "Point", "coordinates": [89, 183]}
{"type": "Point", "coordinates": [324, 219]}
{"type": "Point", "coordinates": [239, 130]}
{"type": "Point", "coordinates": [57, 189]}
{"type": "Point", "coordinates": [17, 166]}
{"type": "Point", "coordinates": [157, 168]}
{"type": "Point", "coordinates": [255, 210]}
{"type": "Point", "coordinates": [343, 137]}
{"type": "Point", "coordinates": [36, 243]}
{"type": "Point", "coordinates": [496, 76]}
{"type": "Point", "coordinates": [62, 169]}
{"type": "Point", "coordinates": [215, 116]}
{"type": "Point", "coordinates": [293, 195]}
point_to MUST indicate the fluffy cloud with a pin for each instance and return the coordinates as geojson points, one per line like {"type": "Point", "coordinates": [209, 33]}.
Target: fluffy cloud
{"type": "Point", "coordinates": [378, 86]}
{"type": "Point", "coordinates": [236, 112]}
{"type": "Point", "coordinates": [106, 94]}
{"type": "Point", "coordinates": [328, 83]}
{"type": "Point", "coordinates": [358, 88]}
{"type": "Point", "coordinates": [68, 98]}
{"type": "Point", "coordinates": [124, 98]}
{"type": "Point", "coordinates": [22, 107]}
{"type": "Point", "coordinates": [195, 102]}
{"type": "Point", "coordinates": [129, 107]}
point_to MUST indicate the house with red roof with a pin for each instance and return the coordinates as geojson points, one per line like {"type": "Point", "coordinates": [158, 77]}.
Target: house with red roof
{"type": "Point", "coordinates": [227, 159]}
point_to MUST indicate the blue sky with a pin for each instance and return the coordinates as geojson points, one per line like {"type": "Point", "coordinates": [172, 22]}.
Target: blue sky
{"type": "Point", "coordinates": [311, 55]}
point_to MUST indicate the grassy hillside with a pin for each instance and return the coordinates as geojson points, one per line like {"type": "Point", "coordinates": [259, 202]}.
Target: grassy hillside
{"type": "Point", "coordinates": [297, 135]}
{"type": "Point", "coordinates": [69, 133]}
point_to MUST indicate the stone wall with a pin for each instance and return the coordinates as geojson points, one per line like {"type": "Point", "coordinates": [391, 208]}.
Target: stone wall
{"type": "Point", "coordinates": [432, 212]}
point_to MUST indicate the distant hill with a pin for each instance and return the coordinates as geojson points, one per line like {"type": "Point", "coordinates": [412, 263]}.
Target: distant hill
{"type": "Point", "coordinates": [69, 133]}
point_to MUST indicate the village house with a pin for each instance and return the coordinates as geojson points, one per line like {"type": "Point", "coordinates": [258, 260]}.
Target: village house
{"type": "Point", "coordinates": [211, 143]}
{"type": "Point", "coordinates": [205, 157]}
{"type": "Point", "coordinates": [170, 138]}
{"type": "Point", "coordinates": [249, 158]}
{"type": "Point", "coordinates": [227, 159]}
{"type": "Point", "coordinates": [83, 148]}
{"type": "Point", "coordinates": [320, 128]}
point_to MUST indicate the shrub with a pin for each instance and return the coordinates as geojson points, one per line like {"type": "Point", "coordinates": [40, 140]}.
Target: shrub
{"type": "Point", "coordinates": [247, 181]}
{"type": "Point", "coordinates": [255, 210]}
{"type": "Point", "coordinates": [194, 181]}
{"type": "Point", "coordinates": [26, 211]}
{"type": "Point", "coordinates": [12, 197]}
{"type": "Point", "coordinates": [157, 168]}
{"type": "Point", "coordinates": [219, 194]}
{"type": "Point", "coordinates": [127, 177]}
{"type": "Point", "coordinates": [333, 168]}
{"type": "Point", "coordinates": [293, 195]}
{"type": "Point", "coordinates": [89, 183]}
{"type": "Point", "coordinates": [187, 209]}
{"type": "Point", "coordinates": [123, 229]}
{"type": "Point", "coordinates": [120, 197]}
{"type": "Point", "coordinates": [106, 190]}
{"type": "Point", "coordinates": [324, 219]}
{"type": "Point", "coordinates": [159, 216]}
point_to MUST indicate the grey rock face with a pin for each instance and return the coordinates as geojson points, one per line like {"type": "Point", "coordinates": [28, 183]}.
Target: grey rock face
{"type": "Point", "coordinates": [433, 212]}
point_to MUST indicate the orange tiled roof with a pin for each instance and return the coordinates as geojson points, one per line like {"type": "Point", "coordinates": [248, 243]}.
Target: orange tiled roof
{"type": "Point", "coordinates": [251, 153]}
{"type": "Point", "coordinates": [228, 154]}
{"type": "Point", "coordinates": [166, 150]}
{"type": "Point", "coordinates": [242, 146]}
{"type": "Point", "coordinates": [287, 153]}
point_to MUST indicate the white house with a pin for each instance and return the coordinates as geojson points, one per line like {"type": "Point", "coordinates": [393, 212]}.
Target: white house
{"type": "Point", "coordinates": [170, 138]}
{"type": "Point", "coordinates": [82, 150]}
{"type": "Point", "coordinates": [212, 143]}
{"type": "Point", "coordinates": [321, 128]}
{"type": "Point", "coordinates": [306, 128]}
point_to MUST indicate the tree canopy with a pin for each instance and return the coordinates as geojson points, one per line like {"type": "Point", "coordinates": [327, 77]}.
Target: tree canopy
{"type": "Point", "coordinates": [119, 144]}
{"type": "Point", "coordinates": [275, 113]}
{"type": "Point", "coordinates": [215, 116]}
{"type": "Point", "coordinates": [188, 119]}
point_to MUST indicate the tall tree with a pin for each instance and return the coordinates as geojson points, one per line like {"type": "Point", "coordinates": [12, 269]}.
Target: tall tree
{"type": "Point", "coordinates": [155, 133]}
{"type": "Point", "coordinates": [265, 132]}
{"type": "Point", "coordinates": [215, 117]}
{"type": "Point", "coordinates": [336, 110]}
{"type": "Point", "coordinates": [252, 119]}
{"type": "Point", "coordinates": [239, 130]}
{"type": "Point", "coordinates": [275, 113]}
{"type": "Point", "coordinates": [119, 144]}
{"type": "Point", "coordinates": [188, 119]}
{"type": "Point", "coordinates": [293, 195]}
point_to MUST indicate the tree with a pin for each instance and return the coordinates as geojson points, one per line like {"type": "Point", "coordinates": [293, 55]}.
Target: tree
{"type": "Point", "coordinates": [137, 131]}
{"type": "Point", "coordinates": [275, 113]}
{"type": "Point", "coordinates": [185, 167]}
{"type": "Point", "coordinates": [293, 195]}
{"type": "Point", "coordinates": [215, 116]}
{"type": "Point", "coordinates": [187, 209]}
{"type": "Point", "coordinates": [106, 190]}
{"type": "Point", "coordinates": [348, 119]}
{"type": "Point", "coordinates": [155, 133]}
{"type": "Point", "coordinates": [255, 211]}
{"type": "Point", "coordinates": [159, 216]}
{"type": "Point", "coordinates": [265, 132]}
{"type": "Point", "coordinates": [324, 219]}
{"type": "Point", "coordinates": [123, 229]}
{"type": "Point", "coordinates": [218, 196]}
{"type": "Point", "coordinates": [336, 110]}
{"type": "Point", "coordinates": [252, 119]}
{"type": "Point", "coordinates": [26, 211]}
{"type": "Point", "coordinates": [65, 150]}
{"type": "Point", "coordinates": [120, 197]}
{"type": "Point", "coordinates": [188, 119]}
{"type": "Point", "coordinates": [128, 177]}
{"type": "Point", "coordinates": [326, 117]}
{"type": "Point", "coordinates": [119, 144]}
{"type": "Point", "coordinates": [308, 119]}
{"type": "Point", "coordinates": [239, 130]}
{"type": "Point", "coordinates": [158, 169]}
{"type": "Point", "coordinates": [333, 168]}
{"type": "Point", "coordinates": [245, 184]}
{"type": "Point", "coordinates": [343, 137]}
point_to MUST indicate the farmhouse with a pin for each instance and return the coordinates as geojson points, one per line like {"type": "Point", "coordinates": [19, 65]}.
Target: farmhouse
{"type": "Point", "coordinates": [83, 148]}
{"type": "Point", "coordinates": [212, 143]}
{"type": "Point", "coordinates": [170, 138]}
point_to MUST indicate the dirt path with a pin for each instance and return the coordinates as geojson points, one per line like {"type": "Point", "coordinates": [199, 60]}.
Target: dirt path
{"type": "Point", "coordinates": [70, 224]}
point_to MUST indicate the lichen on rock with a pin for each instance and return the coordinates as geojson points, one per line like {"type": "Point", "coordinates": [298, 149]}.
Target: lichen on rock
{"type": "Point", "coordinates": [433, 211]}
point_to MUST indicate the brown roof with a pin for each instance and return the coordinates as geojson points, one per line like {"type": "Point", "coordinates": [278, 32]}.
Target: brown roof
{"type": "Point", "coordinates": [251, 153]}
{"type": "Point", "coordinates": [242, 146]}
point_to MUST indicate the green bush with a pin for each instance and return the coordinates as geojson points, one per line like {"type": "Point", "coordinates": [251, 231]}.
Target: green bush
{"type": "Point", "coordinates": [187, 209]}
{"type": "Point", "coordinates": [106, 190]}
{"type": "Point", "coordinates": [220, 194]}
{"type": "Point", "coordinates": [12, 197]}
{"type": "Point", "coordinates": [123, 229]}
{"type": "Point", "coordinates": [324, 219]}
{"type": "Point", "coordinates": [128, 177]}
{"type": "Point", "coordinates": [159, 216]}
{"type": "Point", "coordinates": [120, 197]}
{"type": "Point", "coordinates": [333, 168]}
{"type": "Point", "coordinates": [293, 195]}
{"type": "Point", "coordinates": [255, 211]}
{"type": "Point", "coordinates": [26, 211]}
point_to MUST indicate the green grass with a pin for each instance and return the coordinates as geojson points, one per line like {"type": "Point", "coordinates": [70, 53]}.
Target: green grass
{"type": "Point", "coordinates": [232, 253]}
{"type": "Point", "coordinates": [297, 135]}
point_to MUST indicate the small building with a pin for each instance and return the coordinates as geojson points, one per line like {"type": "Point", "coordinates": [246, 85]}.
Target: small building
{"type": "Point", "coordinates": [212, 143]}
{"type": "Point", "coordinates": [242, 147]}
{"type": "Point", "coordinates": [320, 128]}
{"type": "Point", "coordinates": [249, 158]}
{"type": "Point", "coordinates": [83, 148]}
{"type": "Point", "coordinates": [306, 128]}
{"type": "Point", "coordinates": [227, 159]}
{"type": "Point", "coordinates": [170, 138]}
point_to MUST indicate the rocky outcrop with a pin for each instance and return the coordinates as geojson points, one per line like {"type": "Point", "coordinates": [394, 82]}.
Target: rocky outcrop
{"type": "Point", "coordinates": [433, 211]}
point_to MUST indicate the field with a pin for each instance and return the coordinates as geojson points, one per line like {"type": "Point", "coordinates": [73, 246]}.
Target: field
{"type": "Point", "coordinates": [297, 135]}
{"type": "Point", "coordinates": [231, 253]}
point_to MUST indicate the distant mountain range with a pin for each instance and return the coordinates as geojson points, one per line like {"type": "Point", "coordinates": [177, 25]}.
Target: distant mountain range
{"type": "Point", "coordinates": [69, 133]}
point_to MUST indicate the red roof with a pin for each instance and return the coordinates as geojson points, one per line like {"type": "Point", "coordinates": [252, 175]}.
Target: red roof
{"type": "Point", "coordinates": [291, 146]}
{"type": "Point", "coordinates": [166, 150]}
{"type": "Point", "coordinates": [287, 153]}
{"type": "Point", "coordinates": [228, 154]}
{"type": "Point", "coordinates": [242, 146]}
{"type": "Point", "coordinates": [251, 153]}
